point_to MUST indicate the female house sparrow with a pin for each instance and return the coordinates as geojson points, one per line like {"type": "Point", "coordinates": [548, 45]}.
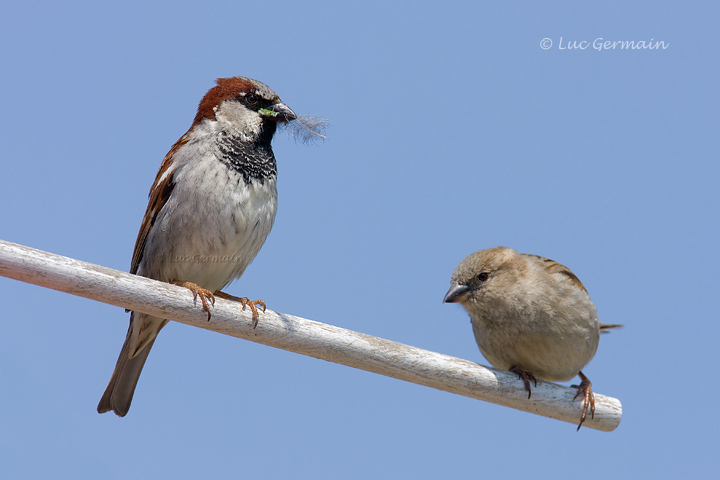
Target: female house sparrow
{"type": "Point", "coordinates": [211, 208]}
{"type": "Point", "coordinates": [530, 315]}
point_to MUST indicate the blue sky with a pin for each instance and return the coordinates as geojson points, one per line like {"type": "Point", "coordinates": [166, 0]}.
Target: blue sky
{"type": "Point", "coordinates": [452, 130]}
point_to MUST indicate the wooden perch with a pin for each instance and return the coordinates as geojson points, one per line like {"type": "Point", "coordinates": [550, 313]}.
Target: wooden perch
{"type": "Point", "coordinates": [299, 335]}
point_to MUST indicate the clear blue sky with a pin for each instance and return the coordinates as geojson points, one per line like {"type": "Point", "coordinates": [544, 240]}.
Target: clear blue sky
{"type": "Point", "coordinates": [452, 130]}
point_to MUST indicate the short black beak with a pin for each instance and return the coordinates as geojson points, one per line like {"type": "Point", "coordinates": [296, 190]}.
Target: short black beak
{"type": "Point", "coordinates": [457, 293]}
{"type": "Point", "coordinates": [278, 112]}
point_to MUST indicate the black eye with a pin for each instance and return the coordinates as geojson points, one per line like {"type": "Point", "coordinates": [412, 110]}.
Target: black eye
{"type": "Point", "coordinates": [483, 276]}
{"type": "Point", "coordinates": [251, 99]}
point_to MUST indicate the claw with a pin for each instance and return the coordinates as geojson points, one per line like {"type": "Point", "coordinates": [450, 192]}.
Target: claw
{"type": "Point", "coordinates": [585, 389]}
{"type": "Point", "coordinates": [253, 308]}
{"type": "Point", "coordinates": [244, 301]}
{"type": "Point", "coordinates": [198, 291]}
{"type": "Point", "coordinates": [525, 377]}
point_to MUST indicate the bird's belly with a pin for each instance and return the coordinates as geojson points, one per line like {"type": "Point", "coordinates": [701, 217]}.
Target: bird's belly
{"type": "Point", "coordinates": [211, 237]}
{"type": "Point", "coordinates": [548, 356]}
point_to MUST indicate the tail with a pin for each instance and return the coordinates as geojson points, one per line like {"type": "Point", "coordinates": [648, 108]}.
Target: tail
{"type": "Point", "coordinates": [604, 327]}
{"type": "Point", "coordinates": [141, 335]}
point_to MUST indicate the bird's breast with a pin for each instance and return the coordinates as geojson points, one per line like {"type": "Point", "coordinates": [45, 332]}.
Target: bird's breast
{"type": "Point", "coordinates": [551, 347]}
{"type": "Point", "coordinates": [212, 226]}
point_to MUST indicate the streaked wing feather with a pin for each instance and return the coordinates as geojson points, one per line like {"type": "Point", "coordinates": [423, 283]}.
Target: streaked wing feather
{"type": "Point", "coordinates": [158, 197]}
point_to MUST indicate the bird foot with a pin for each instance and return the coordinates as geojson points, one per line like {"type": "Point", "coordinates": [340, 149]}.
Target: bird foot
{"type": "Point", "coordinates": [203, 293]}
{"type": "Point", "coordinates": [526, 377]}
{"type": "Point", "coordinates": [253, 304]}
{"type": "Point", "coordinates": [585, 390]}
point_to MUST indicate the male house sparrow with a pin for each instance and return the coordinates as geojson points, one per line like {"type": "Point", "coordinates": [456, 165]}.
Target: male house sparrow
{"type": "Point", "coordinates": [530, 315]}
{"type": "Point", "coordinates": [211, 208]}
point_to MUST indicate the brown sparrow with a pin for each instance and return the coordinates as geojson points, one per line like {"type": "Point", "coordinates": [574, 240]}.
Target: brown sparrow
{"type": "Point", "coordinates": [211, 208]}
{"type": "Point", "coordinates": [530, 315]}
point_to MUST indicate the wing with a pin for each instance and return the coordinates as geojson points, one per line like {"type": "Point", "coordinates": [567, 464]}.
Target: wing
{"type": "Point", "coordinates": [159, 194]}
{"type": "Point", "coordinates": [554, 267]}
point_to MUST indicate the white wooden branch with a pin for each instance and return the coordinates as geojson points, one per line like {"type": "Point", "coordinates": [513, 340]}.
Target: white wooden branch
{"type": "Point", "coordinates": [303, 336]}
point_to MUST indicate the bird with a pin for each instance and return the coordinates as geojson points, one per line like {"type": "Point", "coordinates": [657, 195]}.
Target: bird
{"type": "Point", "coordinates": [210, 209]}
{"type": "Point", "coordinates": [531, 316]}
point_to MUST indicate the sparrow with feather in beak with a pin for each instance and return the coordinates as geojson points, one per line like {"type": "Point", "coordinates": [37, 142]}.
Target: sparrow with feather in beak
{"type": "Point", "coordinates": [211, 208]}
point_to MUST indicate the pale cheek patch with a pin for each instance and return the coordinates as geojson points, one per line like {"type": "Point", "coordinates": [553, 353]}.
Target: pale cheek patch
{"type": "Point", "coordinates": [306, 128]}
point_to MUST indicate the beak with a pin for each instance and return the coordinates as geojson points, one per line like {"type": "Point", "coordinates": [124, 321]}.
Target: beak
{"type": "Point", "coordinates": [457, 293]}
{"type": "Point", "coordinates": [278, 112]}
